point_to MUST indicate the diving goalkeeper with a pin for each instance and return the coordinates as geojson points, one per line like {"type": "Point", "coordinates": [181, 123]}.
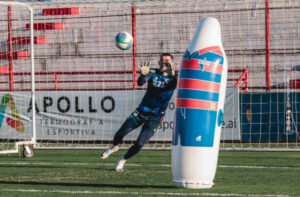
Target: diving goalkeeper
{"type": "Point", "coordinates": [161, 84]}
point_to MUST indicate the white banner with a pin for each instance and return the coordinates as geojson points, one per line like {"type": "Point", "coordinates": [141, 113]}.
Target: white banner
{"type": "Point", "coordinates": [93, 116]}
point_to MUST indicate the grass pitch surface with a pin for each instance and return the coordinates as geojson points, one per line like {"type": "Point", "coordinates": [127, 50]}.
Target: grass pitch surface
{"type": "Point", "coordinates": [83, 173]}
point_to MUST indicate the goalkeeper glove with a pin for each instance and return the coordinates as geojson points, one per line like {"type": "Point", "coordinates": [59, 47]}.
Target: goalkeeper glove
{"type": "Point", "coordinates": [145, 68]}
{"type": "Point", "coordinates": [169, 69]}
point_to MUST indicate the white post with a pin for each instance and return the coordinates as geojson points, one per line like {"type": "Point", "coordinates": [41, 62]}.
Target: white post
{"type": "Point", "coordinates": [33, 140]}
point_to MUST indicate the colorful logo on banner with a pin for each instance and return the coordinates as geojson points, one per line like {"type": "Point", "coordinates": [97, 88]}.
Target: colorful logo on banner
{"type": "Point", "coordinates": [14, 122]}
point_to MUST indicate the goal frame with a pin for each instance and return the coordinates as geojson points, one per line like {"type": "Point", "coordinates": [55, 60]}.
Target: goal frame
{"type": "Point", "coordinates": [26, 144]}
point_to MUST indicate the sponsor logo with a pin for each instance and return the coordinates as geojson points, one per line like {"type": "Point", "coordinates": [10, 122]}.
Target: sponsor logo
{"type": "Point", "coordinates": [208, 59]}
{"type": "Point", "coordinates": [199, 138]}
{"type": "Point", "coordinates": [13, 119]}
{"type": "Point", "coordinates": [205, 65]}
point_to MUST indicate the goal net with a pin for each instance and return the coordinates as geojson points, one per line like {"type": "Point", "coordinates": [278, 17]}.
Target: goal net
{"type": "Point", "coordinates": [86, 87]}
{"type": "Point", "coordinates": [17, 121]}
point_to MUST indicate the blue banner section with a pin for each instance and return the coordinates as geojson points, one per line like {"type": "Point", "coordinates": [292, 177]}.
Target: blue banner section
{"type": "Point", "coordinates": [263, 116]}
{"type": "Point", "coordinates": [199, 74]}
{"type": "Point", "coordinates": [194, 127]}
{"type": "Point", "coordinates": [197, 94]}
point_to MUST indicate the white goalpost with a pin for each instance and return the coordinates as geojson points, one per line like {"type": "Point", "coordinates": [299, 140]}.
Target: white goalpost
{"type": "Point", "coordinates": [82, 87]}
{"type": "Point", "coordinates": [18, 131]}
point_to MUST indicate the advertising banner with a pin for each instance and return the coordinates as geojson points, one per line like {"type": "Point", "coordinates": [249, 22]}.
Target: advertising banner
{"type": "Point", "coordinates": [92, 115]}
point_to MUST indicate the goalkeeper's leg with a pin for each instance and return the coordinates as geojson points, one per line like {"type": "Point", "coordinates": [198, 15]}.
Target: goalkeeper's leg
{"type": "Point", "coordinates": [132, 122]}
{"type": "Point", "coordinates": [147, 132]}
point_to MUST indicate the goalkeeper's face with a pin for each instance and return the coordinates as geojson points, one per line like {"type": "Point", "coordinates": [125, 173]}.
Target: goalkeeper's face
{"type": "Point", "coordinates": [164, 61]}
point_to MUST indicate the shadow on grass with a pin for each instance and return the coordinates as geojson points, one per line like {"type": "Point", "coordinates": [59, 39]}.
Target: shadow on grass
{"type": "Point", "coordinates": [87, 185]}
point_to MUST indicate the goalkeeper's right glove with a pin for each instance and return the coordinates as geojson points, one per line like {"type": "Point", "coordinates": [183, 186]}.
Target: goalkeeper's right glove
{"type": "Point", "coordinates": [145, 68]}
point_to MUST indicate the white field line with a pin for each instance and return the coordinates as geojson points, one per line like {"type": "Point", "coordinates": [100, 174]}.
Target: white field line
{"type": "Point", "coordinates": [138, 165]}
{"type": "Point", "coordinates": [138, 193]}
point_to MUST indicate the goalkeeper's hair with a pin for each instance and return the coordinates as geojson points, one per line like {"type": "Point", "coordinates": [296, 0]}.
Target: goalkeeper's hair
{"type": "Point", "coordinates": [165, 54]}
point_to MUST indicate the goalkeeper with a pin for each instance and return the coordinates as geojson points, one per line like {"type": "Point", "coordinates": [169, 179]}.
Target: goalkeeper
{"type": "Point", "coordinates": [161, 84]}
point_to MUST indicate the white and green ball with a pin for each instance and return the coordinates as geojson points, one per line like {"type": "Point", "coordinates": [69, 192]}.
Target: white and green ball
{"type": "Point", "coordinates": [123, 40]}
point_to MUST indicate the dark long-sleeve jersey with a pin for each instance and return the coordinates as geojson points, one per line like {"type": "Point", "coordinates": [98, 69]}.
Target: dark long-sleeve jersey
{"type": "Point", "coordinates": [158, 94]}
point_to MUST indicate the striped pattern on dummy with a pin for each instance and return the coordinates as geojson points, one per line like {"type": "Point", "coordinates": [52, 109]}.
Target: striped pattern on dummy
{"type": "Point", "coordinates": [197, 96]}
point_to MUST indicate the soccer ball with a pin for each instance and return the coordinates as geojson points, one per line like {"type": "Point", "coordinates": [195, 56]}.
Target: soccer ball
{"type": "Point", "coordinates": [124, 40]}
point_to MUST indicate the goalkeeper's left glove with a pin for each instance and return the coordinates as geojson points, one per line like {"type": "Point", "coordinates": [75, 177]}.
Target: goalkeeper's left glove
{"type": "Point", "coordinates": [169, 69]}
